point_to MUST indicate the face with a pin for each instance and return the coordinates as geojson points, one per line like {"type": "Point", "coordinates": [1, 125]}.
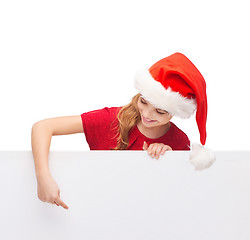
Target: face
{"type": "Point", "coordinates": [151, 116]}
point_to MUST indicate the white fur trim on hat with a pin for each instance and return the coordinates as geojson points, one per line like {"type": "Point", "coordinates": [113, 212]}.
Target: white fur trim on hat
{"type": "Point", "coordinates": [162, 98]}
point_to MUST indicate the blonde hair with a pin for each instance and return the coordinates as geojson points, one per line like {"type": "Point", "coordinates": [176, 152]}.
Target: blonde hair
{"type": "Point", "coordinates": [128, 117]}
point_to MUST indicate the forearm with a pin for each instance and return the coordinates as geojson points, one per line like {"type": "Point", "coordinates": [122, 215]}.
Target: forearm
{"type": "Point", "coordinates": [40, 141]}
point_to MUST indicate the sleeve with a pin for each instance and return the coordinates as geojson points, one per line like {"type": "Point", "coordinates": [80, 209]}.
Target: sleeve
{"type": "Point", "coordinates": [97, 125]}
{"type": "Point", "coordinates": [186, 145]}
{"type": "Point", "coordinates": [179, 139]}
{"type": "Point", "coordinates": [184, 142]}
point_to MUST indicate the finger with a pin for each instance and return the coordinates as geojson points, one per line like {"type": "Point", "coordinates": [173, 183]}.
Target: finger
{"type": "Point", "coordinates": [145, 146]}
{"type": "Point", "coordinates": [159, 150]}
{"type": "Point", "coordinates": [168, 148]}
{"type": "Point", "coordinates": [150, 149]}
{"type": "Point", "coordinates": [165, 148]}
{"type": "Point", "coordinates": [56, 198]}
{"type": "Point", "coordinates": [61, 203]}
{"type": "Point", "coordinates": [153, 150]}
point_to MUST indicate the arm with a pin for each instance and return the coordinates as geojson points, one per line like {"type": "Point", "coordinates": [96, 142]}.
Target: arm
{"type": "Point", "coordinates": [41, 135]}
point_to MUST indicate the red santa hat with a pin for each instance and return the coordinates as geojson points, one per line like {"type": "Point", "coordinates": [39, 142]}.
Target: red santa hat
{"type": "Point", "coordinates": [174, 84]}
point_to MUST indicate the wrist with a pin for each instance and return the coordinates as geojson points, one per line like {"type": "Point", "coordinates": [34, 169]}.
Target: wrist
{"type": "Point", "coordinates": [42, 174]}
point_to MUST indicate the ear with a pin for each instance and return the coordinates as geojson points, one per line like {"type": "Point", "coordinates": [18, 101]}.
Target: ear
{"type": "Point", "coordinates": [170, 117]}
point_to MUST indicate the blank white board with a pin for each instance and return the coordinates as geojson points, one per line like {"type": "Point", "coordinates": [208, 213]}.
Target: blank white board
{"type": "Point", "coordinates": [125, 195]}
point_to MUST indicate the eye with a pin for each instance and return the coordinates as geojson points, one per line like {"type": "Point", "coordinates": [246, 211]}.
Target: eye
{"type": "Point", "coordinates": [143, 101]}
{"type": "Point", "coordinates": [161, 111]}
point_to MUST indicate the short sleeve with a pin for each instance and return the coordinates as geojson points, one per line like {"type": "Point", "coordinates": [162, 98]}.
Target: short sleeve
{"type": "Point", "coordinates": [99, 128]}
{"type": "Point", "coordinates": [181, 141]}
{"type": "Point", "coordinates": [177, 139]}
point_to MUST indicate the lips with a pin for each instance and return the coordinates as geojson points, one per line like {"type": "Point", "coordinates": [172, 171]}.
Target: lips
{"type": "Point", "coordinates": [147, 120]}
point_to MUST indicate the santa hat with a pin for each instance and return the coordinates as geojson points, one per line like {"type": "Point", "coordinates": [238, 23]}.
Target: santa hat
{"type": "Point", "coordinates": [174, 84]}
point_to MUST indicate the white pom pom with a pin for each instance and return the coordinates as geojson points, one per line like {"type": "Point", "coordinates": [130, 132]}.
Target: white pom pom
{"type": "Point", "coordinates": [201, 157]}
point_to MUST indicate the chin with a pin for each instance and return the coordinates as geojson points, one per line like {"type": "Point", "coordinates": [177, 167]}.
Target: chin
{"type": "Point", "coordinates": [149, 125]}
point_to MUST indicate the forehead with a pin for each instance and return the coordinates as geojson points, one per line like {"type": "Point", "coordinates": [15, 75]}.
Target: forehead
{"type": "Point", "coordinates": [141, 96]}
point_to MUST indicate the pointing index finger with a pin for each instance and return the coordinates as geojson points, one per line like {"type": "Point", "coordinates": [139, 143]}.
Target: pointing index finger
{"type": "Point", "coordinates": [61, 203]}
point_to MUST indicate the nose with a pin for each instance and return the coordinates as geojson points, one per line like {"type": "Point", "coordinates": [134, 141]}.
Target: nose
{"type": "Point", "coordinates": [147, 114]}
{"type": "Point", "coordinates": [148, 111]}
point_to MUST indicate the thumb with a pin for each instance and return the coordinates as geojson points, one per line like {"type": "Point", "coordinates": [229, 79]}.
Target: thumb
{"type": "Point", "coordinates": [145, 146]}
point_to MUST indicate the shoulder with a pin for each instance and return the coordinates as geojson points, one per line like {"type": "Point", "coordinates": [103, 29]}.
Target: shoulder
{"type": "Point", "coordinates": [178, 132]}
{"type": "Point", "coordinates": [113, 110]}
{"type": "Point", "coordinates": [180, 140]}
{"type": "Point", "coordinates": [101, 117]}
{"type": "Point", "coordinates": [98, 127]}
{"type": "Point", "coordinates": [102, 112]}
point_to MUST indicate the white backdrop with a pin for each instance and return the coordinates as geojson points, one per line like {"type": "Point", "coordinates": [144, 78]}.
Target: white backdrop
{"type": "Point", "coordinates": [60, 58]}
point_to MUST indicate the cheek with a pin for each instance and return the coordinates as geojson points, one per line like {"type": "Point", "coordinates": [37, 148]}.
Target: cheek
{"type": "Point", "coordinates": [164, 119]}
{"type": "Point", "coordinates": [139, 106]}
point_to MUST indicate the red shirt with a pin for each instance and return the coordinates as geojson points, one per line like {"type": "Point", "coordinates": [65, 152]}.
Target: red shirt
{"type": "Point", "coordinates": [100, 128]}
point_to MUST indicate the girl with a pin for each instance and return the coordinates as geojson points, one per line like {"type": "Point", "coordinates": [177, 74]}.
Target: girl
{"type": "Point", "coordinates": [171, 87]}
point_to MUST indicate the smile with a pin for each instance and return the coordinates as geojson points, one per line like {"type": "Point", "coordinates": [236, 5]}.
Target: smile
{"type": "Point", "coordinates": [147, 120]}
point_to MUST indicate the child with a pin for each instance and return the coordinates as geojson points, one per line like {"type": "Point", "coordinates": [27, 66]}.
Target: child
{"type": "Point", "coordinates": [171, 87]}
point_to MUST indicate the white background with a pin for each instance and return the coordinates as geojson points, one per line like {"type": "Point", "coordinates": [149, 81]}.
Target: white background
{"type": "Point", "coordinates": [62, 58]}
